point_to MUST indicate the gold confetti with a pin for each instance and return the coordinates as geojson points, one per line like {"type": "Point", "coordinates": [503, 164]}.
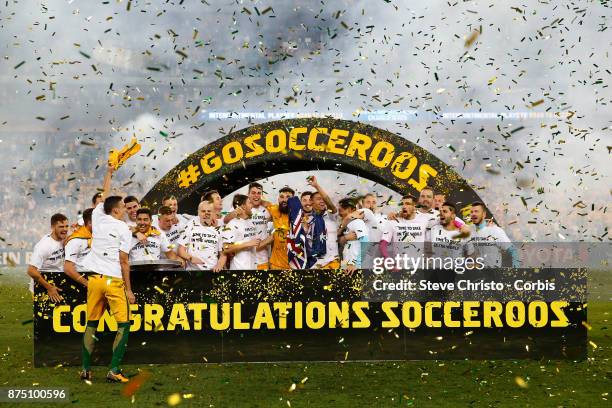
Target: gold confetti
{"type": "Point", "coordinates": [521, 382]}
{"type": "Point", "coordinates": [174, 399]}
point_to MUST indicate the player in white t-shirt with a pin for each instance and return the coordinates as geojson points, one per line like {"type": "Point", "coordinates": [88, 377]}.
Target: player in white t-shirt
{"type": "Point", "coordinates": [322, 204]}
{"type": "Point", "coordinates": [77, 247]}
{"type": "Point", "coordinates": [109, 285]}
{"type": "Point", "coordinates": [131, 206]}
{"type": "Point", "coordinates": [406, 233]}
{"type": "Point", "coordinates": [165, 223]}
{"type": "Point", "coordinates": [149, 243]}
{"type": "Point", "coordinates": [489, 239]}
{"type": "Point", "coordinates": [260, 217]}
{"type": "Point", "coordinates": [352, 236]}
{"type": "Point", "coordinates": [240, 236]}
{"type": "Point", "coordinates": [180, 220]}
{"type": "Point", "coordinates": [213, 197]}
{"type": "Point", "coordinates": [48, 256]}
{"type": "Point", "coordinates": [201, 245]}
{"type": "Point", "coordinates": [443, 237]}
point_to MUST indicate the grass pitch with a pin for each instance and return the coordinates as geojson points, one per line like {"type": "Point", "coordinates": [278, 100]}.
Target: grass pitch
{"type": "Point", "coordinates": [508, 383]}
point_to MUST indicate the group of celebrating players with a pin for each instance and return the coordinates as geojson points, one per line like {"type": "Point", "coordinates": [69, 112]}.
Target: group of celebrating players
{"type": "Point", "coordinates": [308, 231]}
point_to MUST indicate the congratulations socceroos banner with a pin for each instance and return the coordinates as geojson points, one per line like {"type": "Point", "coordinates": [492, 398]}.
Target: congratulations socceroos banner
{"type": "Point", "coordinates": [309, 144]}
{"type": "Point", "coordinates": [321, 315]}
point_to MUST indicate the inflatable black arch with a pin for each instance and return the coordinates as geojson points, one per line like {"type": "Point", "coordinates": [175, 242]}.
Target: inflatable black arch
{"type": "Point", "coordinates": [291, 145]}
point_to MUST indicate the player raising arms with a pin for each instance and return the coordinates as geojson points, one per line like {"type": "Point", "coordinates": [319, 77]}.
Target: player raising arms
{"type": "Point", "coordinates": [48, 255]}
{"type": "Point", "coordinates": [322, 204]}
{"type": "Point", "coordinates": [201, 244]}
{"type": "Point", "coordinates": [109, 285]}
{"type": "Point", "coordinates": [77, 247]}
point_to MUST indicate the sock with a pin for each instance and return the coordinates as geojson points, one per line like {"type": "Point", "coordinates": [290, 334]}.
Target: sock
{"type": "Point", "coordinates": [89, 341]}
{"type": "Point", "coordinates": [119, 345]}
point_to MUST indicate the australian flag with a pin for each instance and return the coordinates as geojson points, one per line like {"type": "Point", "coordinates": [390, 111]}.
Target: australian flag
{"type": "Point", "coordinates": [304, 247]}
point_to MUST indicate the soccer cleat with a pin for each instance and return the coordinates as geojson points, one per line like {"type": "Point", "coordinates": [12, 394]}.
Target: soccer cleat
{"type": "Point", "coordinates": [119, 377]}
{"type": "Point", "coordinates": [85, 375]}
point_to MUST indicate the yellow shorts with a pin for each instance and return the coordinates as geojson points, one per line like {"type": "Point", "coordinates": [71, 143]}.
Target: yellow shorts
{"type": "Point", "coordinates": [105, 290]}
{"type": "Point", "coordinates": [335, 264]}
{"type": "Point", "coordinates": [263, 267]}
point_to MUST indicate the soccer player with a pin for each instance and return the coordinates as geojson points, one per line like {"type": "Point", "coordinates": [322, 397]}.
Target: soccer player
{"type": "Point", "coordinates": [109, 285]}
{"type": "Point", "coordinates": [260, 217]}
{"type": "Point", "coordinates": [152, 242]}
{"type": "Point", "coordinates": [443, 236]}
{"type": "Point", "coordinates": [374, 220]}
{"type": "Point", "coordinates": [323, 205]}
{"type": "Point", "coordinates": [489, 239]}
{"type": "Point", "coordinates": [201, 244]}
{"type": "Point", "coordinates": [240, 237]}
{"type": "Point", "coordinates": [439, 199]}
{"type": "Point", "coordinates": [48, 256]}
{"type": "Point", "coordinates": [165, 223]}
{"type": "Point", "coordinates": [280, 218]}
{"type": "Point", "coordinates": [406, 232]}
{"type": "Point", "coordinates": [77, 247]}
{"type": "Point", "coordinates": [131, 206]}
{"type": "Point", "coordinates": [97, 198]}
{"type": "Point", "coordinates": [352, 236]}
{"type": "Point", "coordinates": [180, 219]}
{"type": "Point", "coordinates": [213, 197]}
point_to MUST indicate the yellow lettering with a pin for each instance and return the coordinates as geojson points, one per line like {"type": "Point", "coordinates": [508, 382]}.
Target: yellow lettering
{"type": "Point", "coordinates": [312, 321]}
{"type": "Point", "coordinates": [283, 312]}
{"type": "Point", "coordinates": [557, 308]}
{"type": "Point", "coordinates": [232, 152]}
{"type": "Point", "coordinates": [337, 138]}
{"type": "Point", "coordinates": [58, 327]}
{"type": "Point", "coordinates": [429, 321]}
{"type": "Point", "coordinates": [360, 144]}
{"type": "Point", "coordinates": [338, 314]}
{"type": "Point", "coordinates": [386, 149]}
{"type": "Point", "coordinates": [515, 308]}
{"type": "Point", "coordinates": [412, 308]}
{"type": "Point", "coordinates": [293, 138]}
{"type": "Point", "coordinates": [312, 139]}
{"type": "Point", "coordinates": [263, 315]}
{"type": "Point", "coordinates": [153, 314]}
{"type": "Point", "coordinates": [210, 162]}
{"type": "Point", "coordinates": [79, 318]}
{"type": "Point", "coordinates": [197, 309]}
{"type": "Point", "coordinates": [362, 319]}
{"type": "Point", "coordinates": [278, 145]}
{"type": "Point", "coordinates": [469, 313]}
{"type": "Point", "coordinates": [250, 142]}
{"type": "Point", "coordinates": [492, 313]}
{"type": "Point", "coordinates": [425, 170]}
{"type": "Point", "coordinates": [392, 321]}
{"type": "Point", "coordinates": [178, 316]}
{"type": "Point", "coordinates": [448, 314]}
{"type": "Point", "coordinates": [396, 167]}
{"type": "Point", "coordinates": [214, 316]}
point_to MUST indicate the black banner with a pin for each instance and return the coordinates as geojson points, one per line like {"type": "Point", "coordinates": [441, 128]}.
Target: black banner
{"type": "Point", "coordinates": [312, 315]}
{"type": "Point", "coordinates": [290, 145]}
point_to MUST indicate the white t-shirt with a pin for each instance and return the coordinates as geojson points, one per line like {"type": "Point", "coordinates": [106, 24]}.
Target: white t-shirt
{"type": "Point", "coordinates": [110, 236]}
{"type": "Point", "coordinates": [331, 240]}
{"type": "Point", "coordinates": [260, 218]}
{"type": "Point", "coordinates": [174, 236]}
{"type": "Point", "coordinates": [76, 249]}
{"type": "Point", "coordinates": [48, 255]}
{"type": "Point", "coordinates": [150, 250]}
{"type": "Point", "coordinates": [432, 217]}
{"type": "Point", "coordinates": [238, 231]}
{"type": "Point", "coordinates": [444, 246]}
{"type": "Point", "coordinates": [351, 253]}
{"type": "Point", "coordinates": [204, 242]}
{"type": "Point", "coordinates": [129, 222]}
{"type": "Point", "coordinates": [489, 242]}
{"type": "Point", "coordinates": [406, 236]}
{"type": "Point", "coordinates": [375, 223]}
